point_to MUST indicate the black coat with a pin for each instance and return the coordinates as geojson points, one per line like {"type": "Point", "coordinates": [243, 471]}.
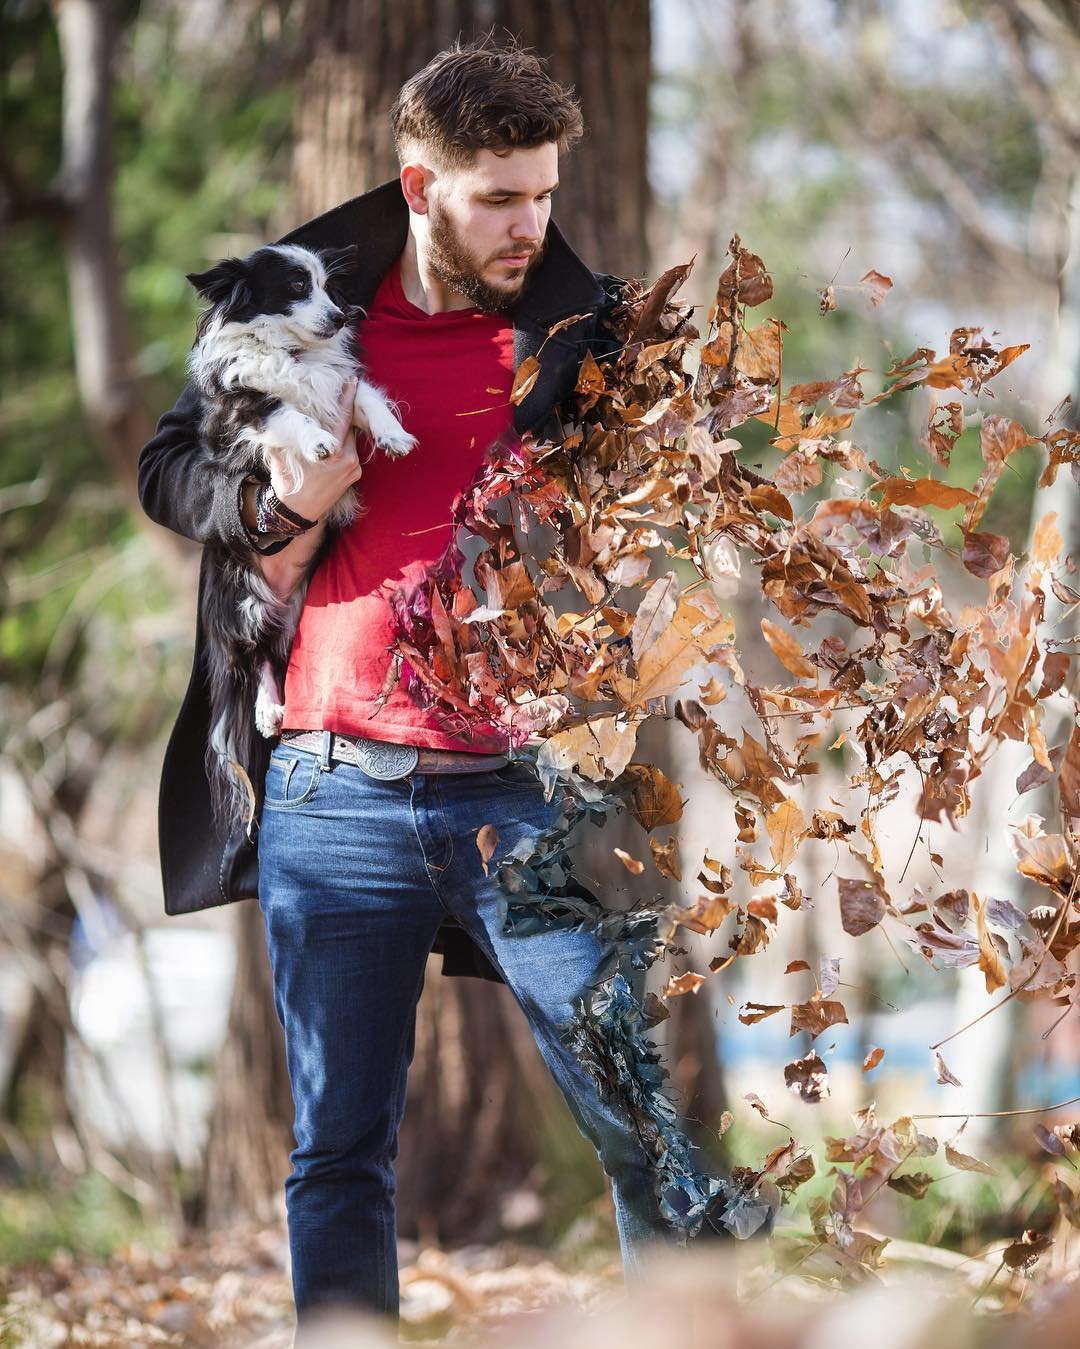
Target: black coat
{"type": "Point", "coordinates": [181, 488]}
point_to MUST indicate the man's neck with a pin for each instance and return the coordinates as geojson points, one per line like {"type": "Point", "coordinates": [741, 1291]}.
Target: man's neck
{"type": "Point", "coordinates": [423, 289]}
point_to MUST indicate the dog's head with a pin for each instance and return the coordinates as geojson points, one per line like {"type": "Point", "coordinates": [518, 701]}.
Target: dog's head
{"type": "Point", "coordinates": [284, 291]}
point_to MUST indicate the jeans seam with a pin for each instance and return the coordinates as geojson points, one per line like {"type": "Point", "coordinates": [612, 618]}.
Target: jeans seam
{"type": "Point", "coordinates": [420, 843]}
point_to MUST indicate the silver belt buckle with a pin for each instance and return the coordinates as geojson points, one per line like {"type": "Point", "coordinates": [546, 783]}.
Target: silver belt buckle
{"type": "Point", "coordinates": [385, 761]}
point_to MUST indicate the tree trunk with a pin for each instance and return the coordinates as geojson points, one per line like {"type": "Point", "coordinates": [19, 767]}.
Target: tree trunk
{"type": "Point", "coordinates": [359, 54]}
{"type": "Point", "coordinates": [250, 1134]}
{"type": "Point", "coordinates": [104, 357]}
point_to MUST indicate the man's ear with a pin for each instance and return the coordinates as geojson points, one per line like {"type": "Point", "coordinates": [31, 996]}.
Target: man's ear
{"type": "Point", "coordinates": [226, 280]}
{"type": "Point", "coordinates": [416, 183]}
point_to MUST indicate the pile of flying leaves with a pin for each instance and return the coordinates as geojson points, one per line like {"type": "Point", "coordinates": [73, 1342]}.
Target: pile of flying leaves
{"type": "Point", "coordinates": [570, 625]}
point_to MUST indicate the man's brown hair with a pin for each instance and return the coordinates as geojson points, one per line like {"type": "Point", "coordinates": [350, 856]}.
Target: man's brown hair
{"type": "Point", "coordinates": [483, 96]}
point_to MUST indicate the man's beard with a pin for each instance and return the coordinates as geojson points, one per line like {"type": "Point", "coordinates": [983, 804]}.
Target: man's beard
{"type": "Point", "coordinates": [457, 268]}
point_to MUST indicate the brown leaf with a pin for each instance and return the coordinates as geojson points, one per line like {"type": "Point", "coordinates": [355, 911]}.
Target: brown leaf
{"type": "Point", "coordinates": [683, 983]}
{"type": "Point", "coordinates": [786, 825]}
{"type": "Point", "coordinates": [666, 858]}
{"type": "Point", "coordinates": [808, 1078]}
{"type": "Point", "coordinates": [653, 799]}
{"type": "Point", "coordinates": [943, 1075]}
{"type": "Point", "coordinates": [787, 650]}
{"type": "Point", "coordinates": [487, 840]}
{"type": "Point", "coordinates": [912, 1186]}
{"type": "Point", "coordinates": [873, 1059]}
{"type": "Point", "coordinates": [816, 1015]}
{"type": "Point", "coordinates": [1023, 1254]}
{"type": "Point", "coordinates": [876, 287]}
{"type": "Point", "coordinates": [862, 905]}
{"type": "Point", "coordinates": [654, 614]}
{"type": "Point", "coordinates": [528, 372]}
{"type": "Point", "coordinates": [990, 961]}
{"type": "Point", "coordinates": [985, 554]}
{"type": "Point", "coordinates": [753, 1012]}
{"type": "Point", "coordinates": [963, 1162]}
{"type": "Point", "coordinates": [921, 492]}
{"type": "Point", "coordinates": [630, 863]}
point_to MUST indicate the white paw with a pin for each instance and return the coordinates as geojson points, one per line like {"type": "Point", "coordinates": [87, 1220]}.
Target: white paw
{"type": "Point", "coordinates": [387, 432]}
{"type": "Point", "coordinates": [318, 444]}
{"type": "Point", "coordinates": [398, 444]}
{"type": "Point", "coordinates": [269, 715]}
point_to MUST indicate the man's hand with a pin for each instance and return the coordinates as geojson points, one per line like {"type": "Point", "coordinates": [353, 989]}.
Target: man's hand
{"type": "Point", "coordinates": [327, 479]}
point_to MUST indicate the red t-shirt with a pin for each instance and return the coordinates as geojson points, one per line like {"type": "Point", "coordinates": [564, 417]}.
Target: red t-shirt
{"type": "Point", "coordinates": [450, 376]}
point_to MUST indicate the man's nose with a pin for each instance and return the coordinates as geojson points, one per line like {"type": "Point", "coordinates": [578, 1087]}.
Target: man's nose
{"type": "Point", "coordinates": [529, 225]}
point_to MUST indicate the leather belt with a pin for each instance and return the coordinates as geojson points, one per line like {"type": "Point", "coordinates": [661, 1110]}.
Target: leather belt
{"type": "Point", "coordinates": [385, 760]}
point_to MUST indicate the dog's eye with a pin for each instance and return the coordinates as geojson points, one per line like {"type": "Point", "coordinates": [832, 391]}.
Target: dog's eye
{"type": "Point", "coordinates": [297, 287]}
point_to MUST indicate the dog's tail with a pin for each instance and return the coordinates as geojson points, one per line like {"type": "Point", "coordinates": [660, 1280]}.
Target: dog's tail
{"type": "Point", "coordinates": [244, 624]}
{"type": "Point", "coordinates": [232, 752]}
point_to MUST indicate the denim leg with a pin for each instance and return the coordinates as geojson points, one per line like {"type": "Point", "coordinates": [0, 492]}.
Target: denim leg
{"type": "Point", "coordinates": [350, 916]}
{"type": "Point", "coordinates": [546, 972]}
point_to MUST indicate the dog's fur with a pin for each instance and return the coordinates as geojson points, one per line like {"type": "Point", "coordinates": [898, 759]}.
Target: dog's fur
{"type": "Point", "coordinates": [272, 354]}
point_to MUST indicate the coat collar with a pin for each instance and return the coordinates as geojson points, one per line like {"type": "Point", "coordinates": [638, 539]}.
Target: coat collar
{"type": "Point", "coordinates": [561, 285]}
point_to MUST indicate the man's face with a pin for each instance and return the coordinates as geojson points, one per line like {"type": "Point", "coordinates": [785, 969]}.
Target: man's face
{"type": "Point", "coordinates": [487, 223]}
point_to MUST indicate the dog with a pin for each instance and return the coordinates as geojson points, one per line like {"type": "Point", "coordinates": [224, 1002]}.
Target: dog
{"type": "Point", "coordinates": [272, 354]}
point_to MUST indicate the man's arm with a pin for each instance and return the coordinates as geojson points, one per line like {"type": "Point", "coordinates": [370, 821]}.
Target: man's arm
{"type": "Point", "coordinates": [185, 488]}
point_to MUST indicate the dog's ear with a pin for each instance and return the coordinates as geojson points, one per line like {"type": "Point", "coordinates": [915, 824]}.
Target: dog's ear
{"type": "Point", "coordinates": [226, 280]}
{"type": "Point", "coordinates": [338, 260]}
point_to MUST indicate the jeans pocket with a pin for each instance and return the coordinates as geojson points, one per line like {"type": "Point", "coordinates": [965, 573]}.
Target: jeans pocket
{"type": "Point", "coordinates": [518, 774]}
{"type": "Point", "coordinates": [292, 779]}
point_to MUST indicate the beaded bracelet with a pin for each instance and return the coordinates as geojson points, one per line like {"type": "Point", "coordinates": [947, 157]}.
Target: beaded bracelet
{"type": "Point", "coordinates": [272, 516]}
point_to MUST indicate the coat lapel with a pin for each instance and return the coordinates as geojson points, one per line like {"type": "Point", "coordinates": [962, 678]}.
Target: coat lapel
{"type": "Point", "coordinates": [560, 286]}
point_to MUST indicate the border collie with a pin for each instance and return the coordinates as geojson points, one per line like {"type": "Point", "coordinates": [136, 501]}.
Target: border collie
{"type": "Point", "coordinates": [272, 353]}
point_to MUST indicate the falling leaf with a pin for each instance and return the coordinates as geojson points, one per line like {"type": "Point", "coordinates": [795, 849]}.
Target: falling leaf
{"type": "Point", "coordinates": [808, 1078]}
{"type": "Point", "coordinates": [876, 286]}
{"type": "Point", "coordinates": [753, 1012]}
{"type": "Point", "coordinates": [963, 1162]}
{"type": "Point", "coordinates": [1022, 1255]}
{"type": "Point", "coordinates": [487, 840]}
{"type": "Point", "coordinates": [872, 1059]}
{"type": "Point", "coordinates": [787, 650]}
{"type": "Point", "coordinates": [683, 983]}
{"type": "Point", "coordinates": [630, 863]}
{"type": "Point", "coordinates": [912, 1186]}
{"type": "Point", "coordinates": [862, 905]}
{"type": "Point", "coordinates": [653, 798]}
{"type": "Point", "coordinates": [524, 378]}
{"type": "Point", "coordinates": [816, 1016]}
{"type": "Point", "coordinates": [943, 1075]}
{"type": "Point", "coordinates": [666, 858]}
{"type": "Point", "coordinates": [786, 825]}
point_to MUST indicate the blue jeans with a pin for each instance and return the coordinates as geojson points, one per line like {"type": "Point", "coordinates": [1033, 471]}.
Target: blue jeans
{"type": "Point", "coordinates": [355, 876]}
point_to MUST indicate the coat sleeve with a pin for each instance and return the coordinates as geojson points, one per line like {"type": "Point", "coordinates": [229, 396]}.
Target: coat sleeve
{"type": "Point", "coordinates": [185, 488]}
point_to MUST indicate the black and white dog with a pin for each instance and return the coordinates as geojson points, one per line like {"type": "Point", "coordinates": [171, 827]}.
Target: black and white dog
{"type": "Point", "coordinates": [272, 354]}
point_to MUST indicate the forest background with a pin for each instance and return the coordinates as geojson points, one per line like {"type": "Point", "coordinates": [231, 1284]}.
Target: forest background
{"type": "Point", "coordinates": [936, 143]}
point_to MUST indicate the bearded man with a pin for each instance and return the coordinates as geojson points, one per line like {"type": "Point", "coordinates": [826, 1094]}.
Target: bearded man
{"type": "Point", "coordinates": [371, 800]}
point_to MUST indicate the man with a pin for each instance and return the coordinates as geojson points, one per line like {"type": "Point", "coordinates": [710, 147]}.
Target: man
{"type": "Point", "coordinates": [371, 800]}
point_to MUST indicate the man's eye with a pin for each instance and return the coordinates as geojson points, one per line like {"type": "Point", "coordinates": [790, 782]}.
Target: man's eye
{"type": "Point", "coordinates": [498, 201]}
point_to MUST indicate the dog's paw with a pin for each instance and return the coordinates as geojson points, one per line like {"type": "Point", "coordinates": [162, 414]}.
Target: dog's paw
{"type": "Point", "coordinates": [319, 444]}
{"type": "Point", "coordinates": [396, 443]}
{"type": "Point", "coordinates": [269, 715]}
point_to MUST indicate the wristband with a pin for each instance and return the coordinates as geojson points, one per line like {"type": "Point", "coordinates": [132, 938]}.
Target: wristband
{"type": "Point", "coordinates": [272, 516]}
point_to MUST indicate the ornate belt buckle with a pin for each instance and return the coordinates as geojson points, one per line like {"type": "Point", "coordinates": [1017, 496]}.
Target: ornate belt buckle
{"type": "Point", "coordinates": [385, 761]}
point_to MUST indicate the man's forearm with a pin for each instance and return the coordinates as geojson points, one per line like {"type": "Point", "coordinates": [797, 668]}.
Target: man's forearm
{"type": "Point", "coordinates": [284, 571]}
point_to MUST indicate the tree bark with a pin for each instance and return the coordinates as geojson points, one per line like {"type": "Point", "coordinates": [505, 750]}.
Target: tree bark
{"type": "Point", "coordinates": [104, 356]}
{"type": "Point", "coordinates": [359, 54]}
